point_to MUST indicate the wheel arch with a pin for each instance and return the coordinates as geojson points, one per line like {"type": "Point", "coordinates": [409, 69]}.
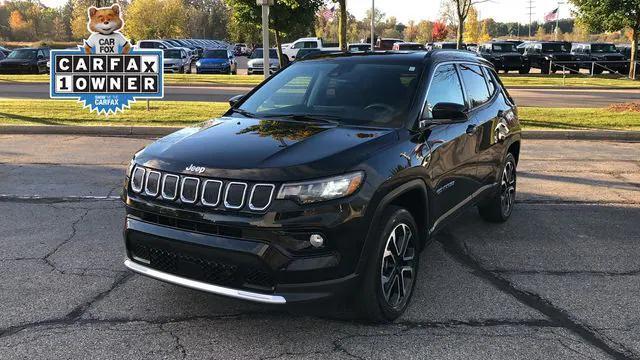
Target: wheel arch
{"type": "Point", "coordinates": [412, 195]}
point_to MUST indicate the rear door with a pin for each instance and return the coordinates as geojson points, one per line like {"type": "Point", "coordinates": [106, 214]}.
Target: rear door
{"type": "Point", "coordinates": [452, 166]}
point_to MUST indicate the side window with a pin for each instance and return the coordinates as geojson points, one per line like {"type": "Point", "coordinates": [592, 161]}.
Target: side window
{"type": "Point", "coordinates": [475, 84]}
{"type": "Point", "coordinates": [445, 88]}
{"type": "Point", "coordinates": [298, 45]}
{"type": "Point", "coordinates": [310, 45]}
{"type": "Point", "coordinates": [144, 45]}
{"type": "Point", "coordinates": [41, 54]}
{"type": "Point", "coordinates": [491, 82]}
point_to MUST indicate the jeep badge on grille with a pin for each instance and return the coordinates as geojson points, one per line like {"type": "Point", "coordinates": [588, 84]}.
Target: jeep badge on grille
{"type": "Point", "coordinates": [195, 169]}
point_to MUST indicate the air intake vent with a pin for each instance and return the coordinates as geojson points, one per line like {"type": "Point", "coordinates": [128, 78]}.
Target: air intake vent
{"type": "Point", "coordinates": [189, 191]}
{"type": "Point", "coordinates": [170, 186]}
{"type": "Point", "coordinates": [152, 185]}
{"type": "Point", "coordinates": [234, 196]}
{"type": "Point", "coordinates": [137, 179]}
{"type": "Point", "coordinates": [211, 191]}
{"type": "Point", "coordinates": [260, 197]}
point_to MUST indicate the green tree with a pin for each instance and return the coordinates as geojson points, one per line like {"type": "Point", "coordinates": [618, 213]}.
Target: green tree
{"type": "Point", "coordinates": [612, 15]}
{"type": "Point", "coordinates": [287, 18]}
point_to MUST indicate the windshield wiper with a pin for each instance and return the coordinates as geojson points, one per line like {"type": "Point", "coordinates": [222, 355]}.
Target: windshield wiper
{"type": "Point", "coordinates": [243, 112]}
{"type": "Point", "coordinates": [329, 119]}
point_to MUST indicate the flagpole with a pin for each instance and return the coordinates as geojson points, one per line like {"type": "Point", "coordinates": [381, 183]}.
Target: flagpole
{"type": "Point", "coordinates": [373, 28]}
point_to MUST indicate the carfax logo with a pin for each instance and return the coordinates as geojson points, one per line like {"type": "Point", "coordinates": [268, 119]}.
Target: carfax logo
{"type": "Point", "coordinates": [105, 74]}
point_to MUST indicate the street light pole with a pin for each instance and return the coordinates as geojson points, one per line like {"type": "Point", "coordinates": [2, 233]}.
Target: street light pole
{"type": "Point", "coordinates": [373, 27]}
{"type": "Point", "coordinates": [266, 66]}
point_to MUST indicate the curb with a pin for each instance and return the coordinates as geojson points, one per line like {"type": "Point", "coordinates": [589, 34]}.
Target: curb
{"type": "Point", "coordinates": [143, 131]}
{"type": "Point", "coordinates": [603, 135]}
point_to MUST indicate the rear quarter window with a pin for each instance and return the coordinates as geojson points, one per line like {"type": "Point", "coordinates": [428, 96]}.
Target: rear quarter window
{"type": "Point", "coordinates": [475, 84]}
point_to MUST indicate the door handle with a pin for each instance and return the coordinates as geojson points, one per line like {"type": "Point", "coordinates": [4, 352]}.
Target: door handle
{"type": "Point", "coordinates": [471, 129]}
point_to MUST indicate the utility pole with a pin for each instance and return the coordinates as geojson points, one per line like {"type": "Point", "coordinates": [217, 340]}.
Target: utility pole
{"type": "Point", "coordinates": [266, 65]}
{"type": "Point", "coordinates": [531, 9]}
{"type": "Point", "coordinates": [558, 20]}
{"type": "Point", "coordinates": [373, 24]}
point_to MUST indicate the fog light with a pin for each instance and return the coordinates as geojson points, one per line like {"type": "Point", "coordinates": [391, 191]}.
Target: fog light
{"type": "Point", "coordinates": [316, 240]}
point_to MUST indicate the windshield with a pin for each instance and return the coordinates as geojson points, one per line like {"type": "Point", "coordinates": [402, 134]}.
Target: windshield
{"type": "Point", "coordinates": [603, 48]}
{"type": "Point", "coordinates": [346, 92]}
{"type": "Point", "coordinates": [23, 54]}
{"type": "Point", "coordinates": [215, 54]}
{"type": "Point", "coordinates": [549, 48]}
{"type": "Point", "coordinates": [257, 54]}
{"type": "Point", "coordinates": [504, 48]}
{"type": "Point", "coordinates": [172, 54]}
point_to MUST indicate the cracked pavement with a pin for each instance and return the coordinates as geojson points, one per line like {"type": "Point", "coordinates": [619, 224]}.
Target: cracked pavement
{"type": "Point", "coordinates": [559, 280]}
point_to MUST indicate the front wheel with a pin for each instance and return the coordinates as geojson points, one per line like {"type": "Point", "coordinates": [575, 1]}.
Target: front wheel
{"type": "Point", "coordinates": [392, 268]}
{"type": "Point", "coordinates": [498, 208]}
{"type": "Point", "coordinates": [524, 70]}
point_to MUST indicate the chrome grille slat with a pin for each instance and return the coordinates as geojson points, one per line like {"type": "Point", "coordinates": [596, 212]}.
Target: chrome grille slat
{"type": "Point", "coordinates": [156, 190]}
{"type": "Point", "coordinates": [226, 195]}
{"type": "Point", "coordinates": [134, 173]}
{"type": "Point", "coordinates": [174, 194]}
{"type": "Point", "coordinates": [204, 189]}
{"type": "Point", "coordinates": [253, 190]}
{"type": "Point", "coordinates": [195, 195]}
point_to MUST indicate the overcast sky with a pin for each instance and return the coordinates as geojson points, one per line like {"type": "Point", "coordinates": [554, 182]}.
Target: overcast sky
{"type": "Point", "coordinates": [405, 10]}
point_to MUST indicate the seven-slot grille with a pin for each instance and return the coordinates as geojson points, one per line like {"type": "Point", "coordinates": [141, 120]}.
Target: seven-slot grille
{"type": "Point", "coordinates": [214, 193]}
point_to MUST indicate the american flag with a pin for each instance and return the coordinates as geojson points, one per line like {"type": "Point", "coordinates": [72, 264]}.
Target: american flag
{"type": "Point", "coordinates": [327, 13]}
{"type": "Point", "coordinates": [552, 16]}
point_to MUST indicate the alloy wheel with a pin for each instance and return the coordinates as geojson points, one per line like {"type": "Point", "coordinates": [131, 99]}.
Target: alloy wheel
{"type": "Point", "coordinates": [398, 268]}
{"type": "Point", "coordinates": [508, 188]}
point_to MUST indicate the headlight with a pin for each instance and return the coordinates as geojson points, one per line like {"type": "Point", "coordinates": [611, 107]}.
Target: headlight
{"type": "Point", "coordinates": [323, 189]}
{"type": "Point", "coordinates": [198, 63]}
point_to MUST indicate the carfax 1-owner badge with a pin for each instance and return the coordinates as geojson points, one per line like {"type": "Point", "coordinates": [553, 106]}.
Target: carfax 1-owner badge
{"type": "Point", "coordinates": [106, 74]}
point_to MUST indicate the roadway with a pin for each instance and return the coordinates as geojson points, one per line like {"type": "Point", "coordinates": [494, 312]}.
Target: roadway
{"type": "Point", "coordinates": [560, 280]}
{"type": "Point", "coordinates": [575, 98]}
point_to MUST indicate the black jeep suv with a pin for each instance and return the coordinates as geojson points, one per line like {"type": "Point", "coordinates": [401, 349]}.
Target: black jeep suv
{"type": "Point", "coordinates": [504, 56]}
{"type": "Point", "coordinates": [550, 56]}
{"type": "Point", "coordinates": [600, 57]}
{"type": "Point", "coordinates": [326, 180]}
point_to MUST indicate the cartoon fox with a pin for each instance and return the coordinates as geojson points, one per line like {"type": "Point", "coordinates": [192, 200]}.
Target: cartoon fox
{"type": "Point", "coordinates": [105, 24]}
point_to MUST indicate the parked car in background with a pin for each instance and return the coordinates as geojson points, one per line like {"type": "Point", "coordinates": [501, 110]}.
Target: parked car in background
{"type": "Point", "coordinates": [386, 43]}
{"type": "Point", "coordinates": [308, 43]}
{"type": "Point", "coordinates": [255, 65]}
{"type": "Point", "coordinates": [26, 61]}
{"type": "Point", "coordinates": [409, 46]}
{"type": "Point", "coordinates": [217, 61]}
{"type": "Point", "coordinates": [504, 56]}
{"type": "Point", "coordinates": [589, 56]}
{"type": "Point", "coordinates": [550, 56]}
{"type": "Point", "coordinates": [358, 47]}
{"type": "Point", "coordinates": [153, 44]}
{"type": "Point", "coordinates": [448, 45]}
{"type": "Point", "coordinates": [306, 52]}
{"type": "Point", "coordinates": [241, 49]}
{"type": "Point", "coordinates": [2, 55]}
{"type": "Point", "coordinates": [4, 51]}
{"type": "Point", "coordinates": [177, 60]}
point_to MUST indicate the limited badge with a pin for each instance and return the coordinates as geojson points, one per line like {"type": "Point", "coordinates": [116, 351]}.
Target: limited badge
{"type": "Point", "coordinates": [105, 74]}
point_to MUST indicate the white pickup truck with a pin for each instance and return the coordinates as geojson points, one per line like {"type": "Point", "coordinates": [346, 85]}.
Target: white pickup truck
{"type": "Point", "coordinates": [307, 43]}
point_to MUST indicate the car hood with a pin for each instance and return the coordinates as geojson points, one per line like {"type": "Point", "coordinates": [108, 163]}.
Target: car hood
{"type": "Point", "coordinates": [213, 61]}
{"type": "Point", "coordinates": [265, 150]}
{"type": "Point", "coordinates": [255, 62]}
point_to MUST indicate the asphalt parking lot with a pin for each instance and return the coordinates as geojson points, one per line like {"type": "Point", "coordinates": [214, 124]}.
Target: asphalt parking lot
{"type": "Point", "coordinates": [560, 280]}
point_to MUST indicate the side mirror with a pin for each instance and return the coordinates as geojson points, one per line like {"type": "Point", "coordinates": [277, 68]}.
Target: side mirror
{"type": "Point", "coordinates": [234, 100]}
{"type": "Point", "coordinates": [448, 113]}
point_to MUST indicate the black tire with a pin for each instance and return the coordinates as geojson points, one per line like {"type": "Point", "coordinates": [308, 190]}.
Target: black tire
{"type": "Point", "coordinates": [546, 69]}
{"type": "Point", "coordinates": [375, 302]}
{"type": "Point", "coordinates": [181, 71]}
{"type": "Point", "coordinates": [525, 70]}
{"type": "Point", "coordinates": [498, 207]}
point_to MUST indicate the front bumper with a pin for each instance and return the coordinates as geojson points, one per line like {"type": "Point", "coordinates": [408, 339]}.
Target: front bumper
{"type": "Point", "coordinates": [233, 257]}
{"type": "Point", "coordinates": [213, 70]}
{"type": "Point", "coordinates": [260, 70]}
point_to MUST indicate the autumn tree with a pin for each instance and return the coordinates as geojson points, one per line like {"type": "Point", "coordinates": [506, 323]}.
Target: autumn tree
{"type": "Point", "coordinates": [440, 31]}
{"type": "Point", "coordinates": [460, 9]}
{"type": "Point", "coordinates": [156, 19]}
{"type": "Point", "coordinates": [425, 32]}
{"type": "Point", "coordinates": [472, 27]}
{"type": "Point", "coordinates": [612, 15]}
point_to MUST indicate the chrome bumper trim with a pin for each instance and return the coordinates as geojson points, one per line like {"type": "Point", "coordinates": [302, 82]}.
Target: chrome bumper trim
{"type": "Point", "coordinates": [197, 285]}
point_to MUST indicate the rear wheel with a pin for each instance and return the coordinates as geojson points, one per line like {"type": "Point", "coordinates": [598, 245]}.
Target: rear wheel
{"type": "Point", "coordinates": [498, 208]}
{"type": "Point", "coordinates": [390, 275]}
{"type": "Point", "coordinates": [524, 70]}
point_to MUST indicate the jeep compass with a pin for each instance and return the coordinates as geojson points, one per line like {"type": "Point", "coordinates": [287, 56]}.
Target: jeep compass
{"type": "Point", "coordinates": [326, 180]}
